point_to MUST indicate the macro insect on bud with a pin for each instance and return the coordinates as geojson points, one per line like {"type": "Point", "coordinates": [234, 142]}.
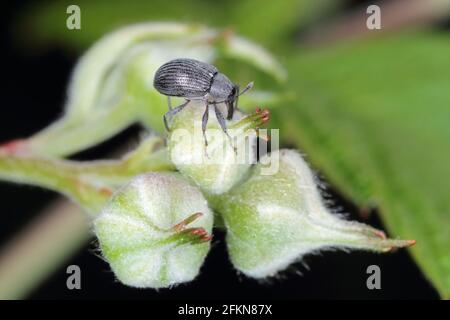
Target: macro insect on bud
{"type": "Point", "coordinates": [195, 80]}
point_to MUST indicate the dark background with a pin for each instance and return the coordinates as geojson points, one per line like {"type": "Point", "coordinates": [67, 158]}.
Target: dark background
{"type": "Point", "coordinates": [32, 95]}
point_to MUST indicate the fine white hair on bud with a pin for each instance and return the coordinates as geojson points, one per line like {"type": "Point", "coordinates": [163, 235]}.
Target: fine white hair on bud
{"type": "Point", "coordinates": [274, 220]}
{"type": "Point", "coordinates": [155, 231]}
{"type": "Point", "coordinates": [225, 160]}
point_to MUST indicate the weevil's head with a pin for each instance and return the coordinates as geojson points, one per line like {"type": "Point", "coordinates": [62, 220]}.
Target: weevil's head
{"type": "Point", "coordinates": [221, 88]}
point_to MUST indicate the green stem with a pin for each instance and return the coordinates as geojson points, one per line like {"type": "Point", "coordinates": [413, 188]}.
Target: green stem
{"type": "Point", "coordinates": [37, 251]}
{"type": "Point", "coordinates": [90, 184]}
{"type": "Point", "coordinates": [55, 175]}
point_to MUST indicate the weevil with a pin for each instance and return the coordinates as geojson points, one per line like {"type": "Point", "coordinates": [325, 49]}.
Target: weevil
{"type": "Point", "coordinates": [195, 80]}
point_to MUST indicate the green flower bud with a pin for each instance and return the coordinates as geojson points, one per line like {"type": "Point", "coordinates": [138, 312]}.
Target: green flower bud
{"type": "Point", "coordinates": [273, 219]}
{"type": "Point", "coordinates": [154, 232]}
{"type": "Point", "coordinates": [225, 160]}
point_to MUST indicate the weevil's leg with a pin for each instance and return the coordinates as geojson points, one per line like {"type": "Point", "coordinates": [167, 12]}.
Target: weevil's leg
{"type": "Point", "coordinates": [169, 102]}
{"type": "Point", "coordinates": [169, 114]}
{"type": "Point", "coordinates": [223, 125]}
{"type": "Point", "coordinates": [230, 109]}
{"type": "Point", "coordinates": [205, 122]}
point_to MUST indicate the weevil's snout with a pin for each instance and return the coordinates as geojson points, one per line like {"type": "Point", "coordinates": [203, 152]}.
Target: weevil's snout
{"type": "Point", "coordinates": [231, 101]}
{"type": "Point", "coordinates": [230, 108]}
{"type": "Point", "coordinates": [234, 94]}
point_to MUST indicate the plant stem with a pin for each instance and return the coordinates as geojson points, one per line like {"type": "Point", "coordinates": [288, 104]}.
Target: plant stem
{"type": "Point", "coordinates": [40, 248]}
{"type": "Point", "coordinates": [53, 174]}
{"type": "Point", "coordinates": [90, 184]}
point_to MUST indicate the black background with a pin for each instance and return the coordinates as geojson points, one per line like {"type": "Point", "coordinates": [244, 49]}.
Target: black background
{"type": "Point", "coordinates": [32, 97]}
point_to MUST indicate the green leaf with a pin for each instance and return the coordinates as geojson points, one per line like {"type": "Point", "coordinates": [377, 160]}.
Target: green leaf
{"type": "Point", "coordinates": [374, 117]}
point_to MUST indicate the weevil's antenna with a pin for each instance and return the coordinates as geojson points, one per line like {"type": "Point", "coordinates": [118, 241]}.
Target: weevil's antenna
{"type": "Point", "coordinates": [248, 87]}
{"type": "Point", "coordinates": [238, 93]}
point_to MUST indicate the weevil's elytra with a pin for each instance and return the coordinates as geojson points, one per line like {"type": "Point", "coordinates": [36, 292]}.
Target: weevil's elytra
{"type": "Point", "coordinates": [196, 80]}
{"type": "Point", "coordinates": [185, 78]}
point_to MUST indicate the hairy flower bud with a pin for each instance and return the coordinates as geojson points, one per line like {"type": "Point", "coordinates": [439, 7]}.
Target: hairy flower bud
{"type": "Point", "coordinates": [273, 220]}
{"type": "Point", "coordinates": [225, 160]}
{"type": "Point", "coordinates": [154, 232]}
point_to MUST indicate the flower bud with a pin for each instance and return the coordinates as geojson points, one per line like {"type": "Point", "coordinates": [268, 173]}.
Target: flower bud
{"type": "Point", "coordinates": [154, 232]}
{"type": "Point", "coordinates": [273, 220]}
{"type": "Point", "coordinates": [217, 161]}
